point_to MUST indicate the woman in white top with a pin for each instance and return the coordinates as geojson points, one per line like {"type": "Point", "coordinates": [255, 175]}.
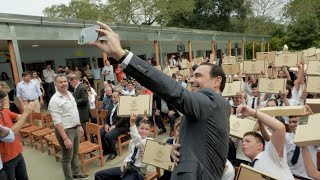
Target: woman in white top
{"type": "Point", "coordinates": [37, 79]}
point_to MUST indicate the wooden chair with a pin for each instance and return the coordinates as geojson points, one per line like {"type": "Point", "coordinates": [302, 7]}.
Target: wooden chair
{"type": "Point", "coordinates": [27, 132]}
{"type": "Point", "coordinates": [154, 128]}
{"type": "Point", "coordinates": [103, 115]}
{"type": "Point", "coordinates": [95, 112]}
{"type": "Point", "coordinates": [87, 147]}
{"type": "Point", "coordinates": [38, 136]}
{"type": "Point", "coordinates": [122, 140]}
{"type": "Point", "coordinates": [100, 104]}
{"type": "Point", "coordinates": [152, 175]}
{"type": "Point", "coordinates": [50, 138]}
{"type": "Point", "coordinates": [56, 150]}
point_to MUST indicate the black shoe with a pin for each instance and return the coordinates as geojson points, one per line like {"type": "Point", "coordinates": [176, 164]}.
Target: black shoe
{"type": "Point", "coordinates": [171, 134]}
{"type": "Point", "coordinates": [112, 156]}
{"type": "Point", "coordinates": [104, 153]}
{"type": "Point", "coordinates": [162, 131]}
{"type": "Point", "coordinates": [81, 176]}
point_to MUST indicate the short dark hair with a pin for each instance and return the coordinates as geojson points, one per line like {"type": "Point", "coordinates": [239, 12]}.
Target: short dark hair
{"type": "Point", "coordinates": [293, 117]}
{"type": "Point", "coordinates": [254, 85]}
{"type": "Point", "coordinates": [24, 74]}
{"type": "Point", "coordinates": [2, 94]}
{"type": "Point", "coordinates": [274, 100]}
{"type": "Point", "coordinates": [215, 72]}
{"type": "Point", "coordinates": [144, 121]}
{"type": "Point", "coordinates": [257, 136]}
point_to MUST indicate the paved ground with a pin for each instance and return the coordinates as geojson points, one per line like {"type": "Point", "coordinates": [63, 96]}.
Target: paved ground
{"type": "Point", "coordinates": [41, 166]}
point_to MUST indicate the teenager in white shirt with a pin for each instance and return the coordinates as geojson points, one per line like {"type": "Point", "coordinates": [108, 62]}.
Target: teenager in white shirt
{"type": "Point", "coordinates": [270, 159]}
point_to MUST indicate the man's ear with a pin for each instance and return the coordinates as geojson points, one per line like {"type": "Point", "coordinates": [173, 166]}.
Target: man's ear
{"type": "Point", "coordinates": [217, 82]}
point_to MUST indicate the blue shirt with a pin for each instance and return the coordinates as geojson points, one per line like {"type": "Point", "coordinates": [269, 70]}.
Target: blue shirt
{"type": "Point", "coordinates": [28, 91]}
{"type": "Point", "coordinates": [96, 73]}
{"type": "Point", "coordinates": [9, 138]}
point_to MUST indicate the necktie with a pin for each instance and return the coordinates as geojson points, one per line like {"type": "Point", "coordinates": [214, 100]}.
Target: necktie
{"type": "Point", "coordinates": [253, 101]}
{"type": "Point", "coordinates": [295, 156]}
{"type": "Point", "coordinates": [133, 157]}
{"type": "Point", "coordinates": [281, 103]}
{"type": "Point", "coordinates": [253, 162]}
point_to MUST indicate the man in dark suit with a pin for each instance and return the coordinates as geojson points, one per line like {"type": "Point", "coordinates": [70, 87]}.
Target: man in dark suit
{"type": "Point", "coordinates": [204, 134]}
{"type": "Point", "coordinates": [81, 95]}
{"type": "Point", "coordinates": [114, 127]}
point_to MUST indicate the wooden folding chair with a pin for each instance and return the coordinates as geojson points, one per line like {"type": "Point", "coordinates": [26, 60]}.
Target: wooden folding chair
{"type": "Point", "coordinates": [152, 175]}
{"type": "Point", "coordinates": [95, 112]}
{"type": "Point", "coordinates": [100, 104]}
{"type": "Point", "coordinates": [27, 132]}
{"type": "Point", "coordinates": [122, 140]}
{"type": "Point", "coordinates": [38, 136]}
{"type": "Point", "coordinates": [87, 147]}
{"type": "Point", "coordinates": [56, 150]}
{"type": "Point", "coordinates": [103, 115]}
{"type": "Point", "coordinates": [50, 138]}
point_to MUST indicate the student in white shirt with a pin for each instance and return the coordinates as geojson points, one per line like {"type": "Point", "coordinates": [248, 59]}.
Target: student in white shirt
{"type": "Point", "coordinates": [311, 169]}
{"type": "Point", "coordinates": [136, 145]}
{"type": "Point", "coordinates": [229, 173]}
{"type": "Point", "coordinates": [295, 160]}
{"type": "Point", "coordinates": [131, 91]}
{"type": "Point", "coordinates": [270, 159]}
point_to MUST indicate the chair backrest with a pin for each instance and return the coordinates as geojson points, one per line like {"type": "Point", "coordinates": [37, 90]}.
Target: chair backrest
{"type": "Point", "coordinates": [36, 116]}
{"type": "Point", "coordinates": [95, 112]}
{"type": "Point", "coordinates": [93, 129]}
{"type": "Point", "coordinates": [100, 104]}
{"type": "Point", "coordinates": [49, 121]}
{"type": "Point", "coordinates": [103, 115]}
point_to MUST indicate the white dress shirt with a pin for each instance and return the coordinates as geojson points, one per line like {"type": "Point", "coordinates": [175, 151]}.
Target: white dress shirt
{"type": "Point", "coordinates": [64, 110]}
{"type": "Point", "coordinates": [112, 112]}
{"type": "Point", "coordinates": [229, 173]}
{"type": "Point", "coordinates": [48, 75]}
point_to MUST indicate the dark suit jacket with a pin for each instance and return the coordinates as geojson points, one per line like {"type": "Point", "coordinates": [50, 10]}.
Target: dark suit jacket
{"type": "Point", "coordinates": [122, 124]}
{"type": "Point", "coordinates": [50, 90]}
{"type": "Point", "coordinates": [101, 94]}
{"type": "Point", "coordinates": [204, 134]}
{"type": "Point", "coordinates": [81, 96]}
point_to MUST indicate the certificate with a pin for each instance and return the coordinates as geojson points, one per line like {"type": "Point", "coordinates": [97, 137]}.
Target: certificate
{"type": "Point", "coordinates": [229, 60]}
{"type": "Point", "coordinates": [313, 68]}
{"type": "Point", "coordinates": [246, 172]}
{"type": "Point", "coordinates": [232, 89]}
{"type": "Point", "coordinates": [288, 59]}
{"type": "Point", "coordinates": [254, 67]}
{"type": "Point", "coordinates": [313, 85]}
{"type": "Point", "coordinates": [231, 68]}
{"type": "Point", "coordinates": [239, 126]}
{"type": "Point", "coordinates": [184, 64]}
{"type": "Point", "coordinates": [174, 70]}
{"type": "Point", "coordinates": [273, 86]}
{"type": "Point", "coordinates": [269, 56]}
{"type": "Point", "coordinates": [309, 52]}
{"type": "Point", "coordinates": [307, 132]}
{"type": "Point", "coordinates": [158, 154]}
{"type": "Point", "coordinates": [198, 60]}
{"type": "Point", "coordinates": [141, 105]}
{"type": "Point", "coordinates": [167, 71]}
{"type": "Point", "coordinates": [184, 72]}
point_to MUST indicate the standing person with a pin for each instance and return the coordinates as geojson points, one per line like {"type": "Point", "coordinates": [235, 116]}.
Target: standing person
{"type": "Point", "coordinates": [119, 73]}
{"type": "Point", "coordinates": [77, 71]}
{"type": "Point", "coordinates": [29, 91]}
{"type": "Point", "coordinates": [11, 153]}
{"type": "Point", "coordinates": [204, 134]}
{"type": "Point", "coordinates": [9, 81]}
{"type": "Point", "coordinates": [107, 71]}
{"type": "Point", "coordinates": [81, 96]}
{"type": "Point", "coordinates": [65, 115]}
{"type": "Point", "coordinates": [89, 74]}
{"type": "Point", "coordinates": [96, 78]}
{"type": "Point", "coordinates": [48, 77]}
{"type": "Point", "coordinates": [37, 79]}
{"type": "Point", "coordinates": [67, 70]}
{"type": "Point", "coordinates": [9, 100]}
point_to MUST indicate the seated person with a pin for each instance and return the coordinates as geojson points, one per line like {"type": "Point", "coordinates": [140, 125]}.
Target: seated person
{"type": "Point", "coordinates": [139, 137]}
{"type": "Point", "coordinates": [270, 159]}
{"type": "Point", "coordinates": [114, 127]}
{"type": "Point", "coordinates": [101, 90]}
{"type": "Point", "coordinates": [107, 98]}
{"type": "Point", "coordinates": [131, 91]}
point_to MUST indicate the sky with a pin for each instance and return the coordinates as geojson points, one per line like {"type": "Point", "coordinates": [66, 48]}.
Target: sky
{"type": "Point", "coordinates": [28, 7]}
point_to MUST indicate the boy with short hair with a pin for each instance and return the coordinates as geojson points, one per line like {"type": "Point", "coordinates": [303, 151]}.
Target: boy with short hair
{"type": "Point", "coordinates": [132, 168]}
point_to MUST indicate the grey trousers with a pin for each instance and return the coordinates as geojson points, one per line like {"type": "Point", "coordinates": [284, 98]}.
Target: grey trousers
{"type": "Point", "coordinates": [70, 159]}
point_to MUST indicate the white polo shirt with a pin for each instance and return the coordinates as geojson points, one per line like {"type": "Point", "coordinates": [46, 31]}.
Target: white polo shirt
{"type": "Point", "coordinates": [271, 164]}
{"type": "Point", "coordinates": [64, 110]}
{"type": "Point", "coordinates": [229, 173]}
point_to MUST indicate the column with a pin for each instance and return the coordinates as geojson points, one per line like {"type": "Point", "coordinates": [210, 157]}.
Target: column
{"type": "Point", "coordinates": [230, 48]}
{"type": "Point", "coordinates": [13, 63]}
{"type": "Point", "coordinates": [268, 47]}
{"type": "Point", "coordinates": [156, 52]}
{"type": "Point", "coordinates": [243, 50]}
{"type": "Point", "coordinates": [104, 57]}
{"type": "Point", "coordinates": [253, 55]}
{"type": "Point", "coordinates": [190, 51]}
{"type": "Point", "coordinates": [213, 50]}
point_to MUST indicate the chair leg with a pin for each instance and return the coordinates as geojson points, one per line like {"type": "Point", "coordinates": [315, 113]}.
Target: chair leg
{"type": "Point", "coordinates": [41, 144]}
{"type": "Point", "coordinates": [119, 147]}
{"type": "Point", "coordinates": [49, 153]}
{"type": "Point", "coordinates": [55, 149]}
{"type": "Point", "coordinates": [30, 138]}
{"type": "Point", "coordinates": [83, 164]}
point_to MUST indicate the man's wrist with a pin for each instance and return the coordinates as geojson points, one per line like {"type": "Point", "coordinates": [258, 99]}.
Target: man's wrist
{"type": "Point", "coordinates": [119, 55]}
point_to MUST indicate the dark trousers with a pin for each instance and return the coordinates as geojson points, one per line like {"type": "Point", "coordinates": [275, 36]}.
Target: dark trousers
{"type": "Point", "coordinates": [16, 169]}
{"type": "Point", "coordinates": [159, 122]}
{"type": "Point", "coordinates": [3, 175]}
{"type": "Point", "coordinates": [172, 120]}
{"type": "Point", "coordinates": [108, 140]}
{"type": "Point", "coordinates": [114, 174]}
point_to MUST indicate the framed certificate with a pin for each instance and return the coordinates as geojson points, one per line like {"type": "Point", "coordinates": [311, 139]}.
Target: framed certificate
{"type": "Point", "coordinates": [239, 126]}
{"type": "Point", "coordinates": [184, 72]}
{"type": "Point", "coordinates": [288, 59]}
{"type": "Point", "coordinates": [184, 63]}
{"type": "Point", "coordinates": [246, 172]}
{"type": "Point", "coordinates": [232, 89]}
{"type": "Point", "coordinates": [229, 60]}
{"type": "Point", "coordinates": [313, 68]}
{"type": "Point", "coordinates": [231, 68]}
{"type": "Point", "coordinates": [273, 86]}
{"type": "Point", "coordinates": [254, 67]}
{"type": "Point", "coordinates": [141, 105]}
{"type": "Point", "coordinates": [309, 52]}
{"type": "Point", "coordinates": [174, 70]}
{"type": "Point", "coordinates": [313, 85]}
{"type": "Point", "coordinates": [167, 71]}
{"type": "Point", "coordinates": [158, 154]}
{"type": "Point", "coordinates": [198, 60]}
{"type": "Point", "coordinates": [269, 56]}
{"type": "Point", "coordinates": [307, 133]}
{"type": "Point", "coordinates": [318, 57]}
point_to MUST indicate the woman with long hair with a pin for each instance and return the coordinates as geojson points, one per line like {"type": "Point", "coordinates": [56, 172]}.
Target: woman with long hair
{"type": "Point", "coordinates": [35, 77]}
{"type": "Point", "coordinates": [89, 74]}
{"type": "Point", "coordinates": [9, 99]}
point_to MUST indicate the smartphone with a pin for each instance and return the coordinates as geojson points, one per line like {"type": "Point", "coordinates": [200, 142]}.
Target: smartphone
{"type": "Point", "coordinates": [88, 34]}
